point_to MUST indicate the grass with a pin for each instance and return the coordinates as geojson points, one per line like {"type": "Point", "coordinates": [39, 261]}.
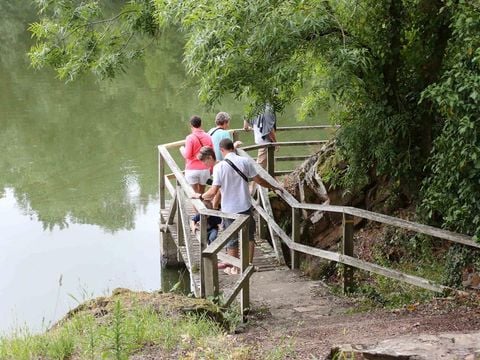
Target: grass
{"type": "Point", "coordinates": [117, 336]}
{"type": "Point", "coordinates": [129, 327]}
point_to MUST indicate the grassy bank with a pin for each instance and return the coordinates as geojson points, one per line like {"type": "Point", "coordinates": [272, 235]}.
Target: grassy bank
{"type": "Point", "coordinates": [126, 325]}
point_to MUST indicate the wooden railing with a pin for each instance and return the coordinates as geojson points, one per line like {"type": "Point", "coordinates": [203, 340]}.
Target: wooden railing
{"type": "Point", "coordinates": [208, 283]}
{"type": "Point", "coordinates": [348, 213]}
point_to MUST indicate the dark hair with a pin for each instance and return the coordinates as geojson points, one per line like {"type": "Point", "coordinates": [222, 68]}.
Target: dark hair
{"type": "Point", "coordinates": [205, 152]}
{"type": "Point", "coordinates": [226, 144]}
{"type": "Point", "coordinates": [195, 121]}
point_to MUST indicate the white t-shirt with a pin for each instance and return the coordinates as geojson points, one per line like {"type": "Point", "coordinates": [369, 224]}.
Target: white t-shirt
{"type": "Point", "coordinates": [257, 134]}
{"type": "Point", "coordinates": [234, 189]}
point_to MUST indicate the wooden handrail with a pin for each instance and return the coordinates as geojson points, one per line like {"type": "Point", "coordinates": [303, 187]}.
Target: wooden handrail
{"type": "Point", "coordinates": [219, 243]}
{"type": "Point", "coordinates": [284, 143]}
{"type": "Point", "coordinates": [212, 252]}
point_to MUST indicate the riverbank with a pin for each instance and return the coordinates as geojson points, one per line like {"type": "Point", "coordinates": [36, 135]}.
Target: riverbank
{"type": "Point", "coordinates": [292, 317]}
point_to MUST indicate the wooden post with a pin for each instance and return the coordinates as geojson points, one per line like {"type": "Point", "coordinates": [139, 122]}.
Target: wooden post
{"type": "Point", "coordinates": [347, 249]}
{"type": "Point", "coordinates": [271, 160]}
{"type": "Point", "coordinates": [180, 233]}
{"type": "Point", "coordinates": [295, 262]}
{"type": "Point", "coordinates": [244, 259]}
{"type": "Point", "coordinates": [161, 180]}
{"type": "Point", "coordinates": [203, 245]}
{"type": "Point", "coordinates": [211, 275]}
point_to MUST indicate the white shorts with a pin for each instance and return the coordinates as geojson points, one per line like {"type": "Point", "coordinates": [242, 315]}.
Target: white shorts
{"type": "Point", "coordinates": [197, 176]}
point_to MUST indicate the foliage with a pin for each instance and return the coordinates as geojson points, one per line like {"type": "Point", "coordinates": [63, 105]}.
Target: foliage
{"type": "Point", "coordinates": [457, 259]}
{"type": "Point", "coordinates": [399, 76]}
{"type": "Point", "coordinates": [76, 36]}
{"type": "Point", "coordinates": [124, 332]}
{"type": "Point", "coordinates": [452, 190]}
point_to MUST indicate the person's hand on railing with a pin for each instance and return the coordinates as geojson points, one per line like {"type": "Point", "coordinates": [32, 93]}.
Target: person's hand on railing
{"type": "Point", "coordinates": [197, 196]}
{"type": "Point", "coordinates": [237, 144]}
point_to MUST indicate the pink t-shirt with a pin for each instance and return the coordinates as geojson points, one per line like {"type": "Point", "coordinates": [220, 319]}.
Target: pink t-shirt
{"type": "Point", "coordinates": [193, 144]}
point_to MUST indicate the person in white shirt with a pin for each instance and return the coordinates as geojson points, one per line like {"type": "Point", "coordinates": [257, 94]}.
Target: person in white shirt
{"type": "Point", "coordinates": [264, 130]}
{"type": "Point", "coordinates": [233, 185]}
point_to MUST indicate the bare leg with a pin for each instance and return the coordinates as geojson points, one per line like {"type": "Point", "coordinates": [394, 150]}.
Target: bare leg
{"type": "Point", "coordinates": [197, 188]}
{"type": "Point", "coordinates": [235, 253]}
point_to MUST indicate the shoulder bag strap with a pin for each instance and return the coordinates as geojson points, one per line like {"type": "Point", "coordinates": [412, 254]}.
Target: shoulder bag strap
{"type": "Point", "coordinates": [244, 177]}
{"type": "Point", "coordinates": [198, 138]}
{"type": "Point", "coordinates": [214, 131]}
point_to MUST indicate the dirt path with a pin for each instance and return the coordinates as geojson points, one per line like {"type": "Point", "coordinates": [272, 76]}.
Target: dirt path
{"type": "Point", "coordinates": [305, 320]}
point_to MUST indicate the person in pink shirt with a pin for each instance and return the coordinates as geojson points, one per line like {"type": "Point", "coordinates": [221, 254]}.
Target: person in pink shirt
{"type": "Point", "coordinates": [196, 172]}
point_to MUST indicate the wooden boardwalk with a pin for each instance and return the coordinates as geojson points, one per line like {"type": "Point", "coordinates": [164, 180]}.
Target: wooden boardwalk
{"type": "Point", "coordinates": [264, 258]}
{"type": "Point", "coordinates": [179, 243]}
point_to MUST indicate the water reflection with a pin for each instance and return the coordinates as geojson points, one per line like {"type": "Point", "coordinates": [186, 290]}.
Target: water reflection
{"type": "Point", "coordinates": [78, 176]}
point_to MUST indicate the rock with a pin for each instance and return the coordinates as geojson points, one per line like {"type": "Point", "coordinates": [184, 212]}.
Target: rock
{"type": "Point", "coordinates": [447, 346]}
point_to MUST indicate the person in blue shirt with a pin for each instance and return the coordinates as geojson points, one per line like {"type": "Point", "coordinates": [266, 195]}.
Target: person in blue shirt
{"type": "Point", "coordinates": [213, 223]}
{"type": "Point", "coordinates": [220, 132]}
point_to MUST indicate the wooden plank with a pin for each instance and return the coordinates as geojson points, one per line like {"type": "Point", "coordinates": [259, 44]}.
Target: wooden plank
{"type": "Point", "coordinates": [277, 246]}
{"type": "Point", "coordinates": [271, 160]}
{"type": "Point", "coordinates": [161, 180]}
{"type": "Point", "coordinates": [225, 236]}
{"type": "Point", "coordinates": [295, 261]}
{"type": "Point", "coordinates": [229, 259]}
{"type": "Point", "coordinates": [347, 249]}
{"type": "Point", "coordinates": [170, 187]}
{"type": "Point", "coordinates": [173, 210]}
{"type": "Point", "coordinates": [211, 284]}
{"type": "Point", "coordinates": [211, 212]}
{"type": "Point", "coordinates": [285, 143]}
{"type": "Point", "coordinates": [291, 158]}
{"type": "Point", "coordinates": [393, 221]}
{"type": "Point", "coordinates": [203, 245]}
{"type": "Point", "coordinates": [283, 172]}
{"type": "Point", "coordinates": [306, 127]}
{"type": "Point", "coordinates": [184, 218]}
{"type": "Point", "coordinates": [360, 264]}
{"type": "Point", "coordinates": [245, 261]}
{"type": "Point", "coordinates": [198, 204]}
{"type": "Point", "coordinates": [289, 199]}
{"type": "Point", "coordinates": [239, 284]}
{"type": "Point", "coordinates": [409, 225]}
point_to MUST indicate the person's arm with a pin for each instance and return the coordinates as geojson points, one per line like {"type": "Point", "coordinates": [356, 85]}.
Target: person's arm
{"type": "Point", "coordinates": [188, 151]}
{"type": "Point", "coordinates": [273, 136]}
{"type": "Point", "coordinates": [246, 125]}
{"type": "Point", "coordinates": [262, 182]}
{"type": "Point", "coordinates": [208, 195]}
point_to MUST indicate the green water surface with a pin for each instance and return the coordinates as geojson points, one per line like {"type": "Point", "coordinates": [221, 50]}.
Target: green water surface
{"type": "Point", "coordinates": [78, 173]}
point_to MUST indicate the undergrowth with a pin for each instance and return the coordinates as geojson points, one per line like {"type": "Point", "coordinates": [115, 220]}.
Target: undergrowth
{"type": "Point", "coordinates": [403, 251]}
{"type": "Point", "coordinates": [119, 335]}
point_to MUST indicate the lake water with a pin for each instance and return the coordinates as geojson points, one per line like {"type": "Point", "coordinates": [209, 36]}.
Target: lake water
{"type": "Point", "coordinates": [78, 174]}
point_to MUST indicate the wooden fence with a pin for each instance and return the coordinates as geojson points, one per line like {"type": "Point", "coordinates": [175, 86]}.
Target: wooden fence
{"type": "Point", "coordinates": [207, 283]}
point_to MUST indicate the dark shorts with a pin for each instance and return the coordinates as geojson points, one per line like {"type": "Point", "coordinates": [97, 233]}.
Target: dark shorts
{"type": "Point", "coordinates": [233, 242]}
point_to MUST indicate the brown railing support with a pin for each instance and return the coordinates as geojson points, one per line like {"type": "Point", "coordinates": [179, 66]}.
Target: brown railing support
{"type": "Point", "coordinates": [271, 160]}
{"type": "Point", "coordinates": [294, 255]}
{"type": "Point", "coordinates": [347, 249]}
{"type": "Point", "coordinates": [244, 258]}
{"type": "Point", "coordinates": [161, 180]}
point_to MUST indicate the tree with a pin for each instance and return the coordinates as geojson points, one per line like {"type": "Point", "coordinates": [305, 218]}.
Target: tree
{"type": "Point", "coordinates": [382, 68]}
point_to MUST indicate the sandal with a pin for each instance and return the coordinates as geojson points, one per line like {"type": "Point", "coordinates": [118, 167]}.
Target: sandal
{"type": "Point", "coordinates": [232, 270]}
{"type": "Point", "coordinates": [222, 265]}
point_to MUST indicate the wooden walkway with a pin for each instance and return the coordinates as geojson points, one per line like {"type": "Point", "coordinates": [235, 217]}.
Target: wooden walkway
{"type": "Point", "coordinates": [179, 243]}
{"type": "Point", "coordinates": [264, 258]}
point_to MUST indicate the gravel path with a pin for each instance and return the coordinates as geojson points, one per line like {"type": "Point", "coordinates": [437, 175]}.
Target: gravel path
{"type": "Point", "coordinates": [304, 320]}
